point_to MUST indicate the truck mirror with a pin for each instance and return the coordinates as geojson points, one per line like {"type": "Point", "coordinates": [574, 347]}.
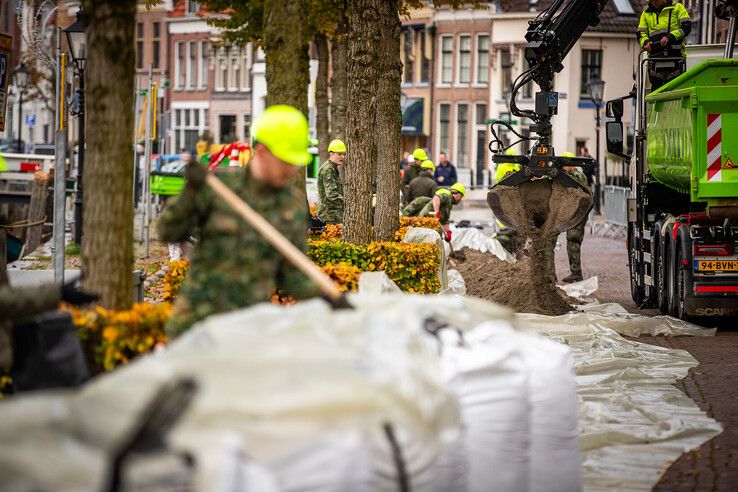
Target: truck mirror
{"type": "Point", "coordinates": [614, 109]}
{"type": "Point", "coordinates": [614, 132]}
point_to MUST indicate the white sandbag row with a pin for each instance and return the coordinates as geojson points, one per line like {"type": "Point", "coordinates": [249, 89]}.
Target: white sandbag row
{"type": "Point", "coordinates": [299, 398]}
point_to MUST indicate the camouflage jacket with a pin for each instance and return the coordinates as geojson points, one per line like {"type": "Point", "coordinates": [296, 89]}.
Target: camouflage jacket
{"type": "Point", "coordinates": [232, 265]}
{"type": "Point", "coordinates": [20, 302]}
{"type": "Point", "coordinates": [330, 194]}
{"type": "Point", "coordinates": [423, 207]}
{"type": "Point", "coordinates": [423, 185]}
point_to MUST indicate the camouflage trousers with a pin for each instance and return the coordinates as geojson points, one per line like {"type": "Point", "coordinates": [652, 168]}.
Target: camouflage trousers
{"type": "Point", "coordinates": [417, 207]}
{"type": "Point", "coordinates": [574, 239]}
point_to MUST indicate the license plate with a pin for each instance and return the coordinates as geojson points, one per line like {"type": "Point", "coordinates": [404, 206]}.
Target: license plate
{"type": "Point", "coordinates": [716, 265]}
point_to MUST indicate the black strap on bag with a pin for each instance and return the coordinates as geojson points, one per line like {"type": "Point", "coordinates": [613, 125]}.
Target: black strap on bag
{"type": "Point", "coordinates": [47, 353]}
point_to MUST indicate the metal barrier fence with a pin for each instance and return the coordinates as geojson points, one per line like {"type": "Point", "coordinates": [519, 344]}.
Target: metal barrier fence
{"type": "Point", "coordinates": [616, 211]}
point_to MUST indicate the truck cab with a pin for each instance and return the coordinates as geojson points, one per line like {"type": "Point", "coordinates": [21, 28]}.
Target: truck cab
{"type": "Point", "coordinates": [683, 206]}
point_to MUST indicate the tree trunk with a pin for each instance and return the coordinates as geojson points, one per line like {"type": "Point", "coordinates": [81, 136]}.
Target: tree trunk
{"type": "Point", "coordinates": [363, 42]}
{"type": "Point", "coordinates": [286, 51]}
{"type": "Point", "coordinates": [388, 126]}
{"type": "Point", "coordinates": [287, 64]}
{"type": "Point", "coordinates": [338, 79]}
{"type": "Point", "coordinates": [321, 97]}
{"type": "Point", "coordinates": [107, 247]}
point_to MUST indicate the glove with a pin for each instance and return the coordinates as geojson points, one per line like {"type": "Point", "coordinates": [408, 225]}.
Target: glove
{"type": "Point", "coordinates": [340, 303]}
{"type": "Point", "coordinates": [195, 175]}
{"type": "Point", "coordinates": [448, 236]}
{"type": "Point", "coordinates": [71, 294]}
{"type": "Point", "coordinates": [438, 215]}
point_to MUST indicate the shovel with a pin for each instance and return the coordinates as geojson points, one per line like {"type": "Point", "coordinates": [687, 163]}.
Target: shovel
{"type": "Point", "coordinates": [280, 243]}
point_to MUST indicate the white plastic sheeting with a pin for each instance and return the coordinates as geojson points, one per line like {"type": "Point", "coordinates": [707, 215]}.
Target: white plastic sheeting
{"type": "Point", "coordinates": [634, 421]}
{"type": "Point", "coordinates": [471, 237]}
{"type": "Point", "coordinates": [456, 284]}
{"type": "Point", "coordinates": [377, 283]}
{"type": "Point", "coordinates": [581, 289]}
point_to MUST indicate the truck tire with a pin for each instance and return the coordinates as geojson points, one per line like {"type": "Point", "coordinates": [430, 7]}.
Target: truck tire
{"type": "Point", "coordinates": [671, 271]}
{"type": "Point", "coordinates": [637, 291]}
{"type": "Point", "coordinates": [659, 258]}
{"type": "Point", "coordinates": [683, 277]}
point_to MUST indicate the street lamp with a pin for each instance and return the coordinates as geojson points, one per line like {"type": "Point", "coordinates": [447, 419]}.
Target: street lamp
{"type": "Point", "coordinates": [78, 49]}
{"type": "Point", "coordinates": [21, 79]}
{"type": "Point", "coordinates": [596, 88]}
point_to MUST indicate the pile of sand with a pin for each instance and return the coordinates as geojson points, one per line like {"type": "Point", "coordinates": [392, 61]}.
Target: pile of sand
{"type": "Point", "coordinates": [519, 286]}
{"type": "Point", "coordinates": [538, 209]}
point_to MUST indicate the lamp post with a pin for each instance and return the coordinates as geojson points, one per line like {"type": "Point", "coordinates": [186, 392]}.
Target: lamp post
{"type": "Point", "coordinates": [596, 88]}
{"type": "Point", "coordinates": [78, 49]}
{"type": "Point", "coordinates": [21, 79]}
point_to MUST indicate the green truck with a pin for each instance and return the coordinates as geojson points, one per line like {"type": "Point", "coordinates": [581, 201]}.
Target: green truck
{"type": "Point", "coordinates": [683, 207]}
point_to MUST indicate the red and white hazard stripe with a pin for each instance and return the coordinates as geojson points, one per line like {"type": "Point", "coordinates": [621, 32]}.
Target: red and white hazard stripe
{"type": "Point", "coordinates": [714, 147]}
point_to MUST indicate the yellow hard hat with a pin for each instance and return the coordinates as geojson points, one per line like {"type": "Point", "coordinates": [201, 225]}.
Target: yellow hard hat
{"type": "Point", "coordinates": [511, 151]}
{"type": "Point", "coordinates": [420, 155]}
{"type": "Point", "coordinates": [337, 146]}
{"type": "Point", "coordinates": [568, 154]}
{"type": "Point", "coordinates": [284, 131]}
{"type": "Point", "coordinates": [3, 164]}
{"type": "Point", "coordinates": [459, 188]}
{"type": "Point", "coordinates": [428, 164]}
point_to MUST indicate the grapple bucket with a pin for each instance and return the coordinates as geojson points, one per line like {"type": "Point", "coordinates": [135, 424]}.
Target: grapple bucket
{"type": "Point", "coordinates": [550, 205]}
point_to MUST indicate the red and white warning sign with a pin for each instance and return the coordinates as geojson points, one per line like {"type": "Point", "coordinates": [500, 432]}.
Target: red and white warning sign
{"type": "Point", "coordinates": [714, 147]}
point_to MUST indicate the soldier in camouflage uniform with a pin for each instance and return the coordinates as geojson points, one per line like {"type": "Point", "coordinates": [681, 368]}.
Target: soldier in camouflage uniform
{"type": "Point", "coordinates": [575, 236]}
{"type": "Point", "coordinates": [330, 188]}
{"type": "Point", "coordinates": [233, 266]}
{"type": "Point", "coordinates": [424, 184]}
{"type": "Point", "coordinates": [439, 206]}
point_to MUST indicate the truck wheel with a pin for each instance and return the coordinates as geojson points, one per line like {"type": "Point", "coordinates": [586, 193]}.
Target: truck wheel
{"type": "Point", "coordinates": [671, 272]}
{"type": "Point", "coordinates": [684, 279]}
{"type": "Point", "coordinates": [659, 265]}
{"type": "Point", "coordinates": [636, 291]}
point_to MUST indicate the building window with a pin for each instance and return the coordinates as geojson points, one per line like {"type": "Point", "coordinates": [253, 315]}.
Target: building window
{"type": "Point", "coordinates": [193, 7]}
{"type": "Point", "coordinates": [425, 50]}
{"type": "Point", "coordinates": [191, 65]}
{"type": "Point", "coordinates": [408, 57]}
{"type": "Point", "coordinates": [445, 112]}
{"type": "Point", "coordinates": [179, 66]}
{"type": "Point", "coordinates": [139, 45]}
{"type": "Point", "coordinates": [234, 80]}
{"type": "Point", "coordinates": [447, 54]}
{"type": "Point", "coordinates": [221, 70]}
{"type": "Point", "coordinates": [506, 65]}
{"type": "Point", "coordinates": [246, 127]}
{"type": "Point", "coordinates": [481, 114]}
{"type": "Point", "coordinates": [245, 62]}
{"type": "Point", "coordinates": [155, 44]}
{"type": "Point", "coordinates": [202, 68]}
{"type": "Point", "coordinates": [227, 128]}
{"type": "Point", "coordinates": [462, 122]}
{"type": "Point", "coordinates": [189, 123]}
{"type": "Point", "coordinates": [527, 90]}
{"type": "Point", "coordinates": [464, 59]}
{"type": "Point", "coordinates": [482, 59]}
{"type": "Point", "coordinates": [591, 69]}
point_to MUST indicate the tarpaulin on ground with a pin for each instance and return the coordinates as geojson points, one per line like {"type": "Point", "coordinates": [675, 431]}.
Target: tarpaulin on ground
{"type": "Point", "coordinates": [471, 237]}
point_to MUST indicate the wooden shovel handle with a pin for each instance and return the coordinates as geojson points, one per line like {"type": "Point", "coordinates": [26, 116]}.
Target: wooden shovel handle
{"type": "Point", "coordinates": [271, 234]}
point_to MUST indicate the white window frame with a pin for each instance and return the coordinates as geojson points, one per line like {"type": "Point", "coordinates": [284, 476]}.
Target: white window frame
{"type": "Point", "coordinates": [178, 46]}
{"type": "Point", "coordinates": [476, 127]}
{"type": "Point", "coordinates": [458, 58]}
{"type": "Point", "coordinates": [245, 82]}
{"type": "Point", "coordinates": [221, 76]}
{"type": "Point", "coordinates": [190, 71]}
{"type": "Point", "coordinates": [202, 65]}
{"type": "Point", "coordinates": [457, 147]}
{"type": "Point", "coordinates": [451, 145]}
{"type": "Point", "coordinates": [178, 129]}
{"type": "Point", "coordinates": [477, 82]}
{"type": "Point", "coordinates": [441, 82]}
{"type": "Point", "coordinates": [189, 5]}
{"type": "Point", "coordinates": [234, 65]}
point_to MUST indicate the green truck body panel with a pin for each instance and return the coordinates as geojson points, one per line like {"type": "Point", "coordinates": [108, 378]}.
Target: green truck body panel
{"type": "Point", "coordinates": [692, 137]}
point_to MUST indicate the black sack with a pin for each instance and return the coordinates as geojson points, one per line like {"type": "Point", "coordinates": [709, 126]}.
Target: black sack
{"type": "Point", "coordinates": [47, 353]}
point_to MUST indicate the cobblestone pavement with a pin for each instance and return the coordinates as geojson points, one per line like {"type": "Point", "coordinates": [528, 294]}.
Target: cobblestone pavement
{"type": "Point", "coordinates": [712, 385]}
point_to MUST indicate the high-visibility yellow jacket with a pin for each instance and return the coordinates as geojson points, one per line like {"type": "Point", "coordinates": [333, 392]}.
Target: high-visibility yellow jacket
{"type": "Point", "coordinates": [673, 19]}
{"type": "Point", "coordinates": [503, 168]}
